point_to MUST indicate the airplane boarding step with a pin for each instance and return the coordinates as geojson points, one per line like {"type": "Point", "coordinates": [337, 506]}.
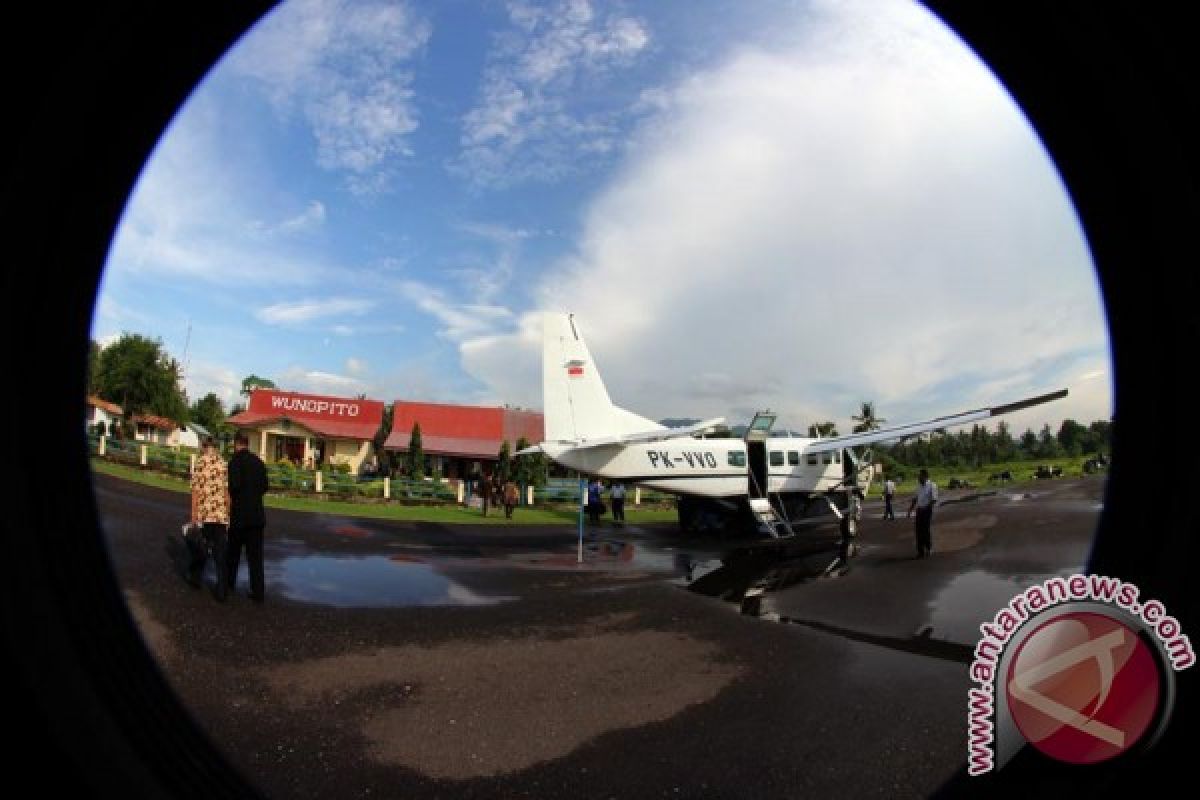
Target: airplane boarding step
{"type": "Point", "coordinates": [766, 515]}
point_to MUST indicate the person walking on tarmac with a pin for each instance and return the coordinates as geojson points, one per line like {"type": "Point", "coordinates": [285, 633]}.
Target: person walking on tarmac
{"type": "Point", "coordinates": [511, 495]}
{"type": "Point", "coordinates": [889, 494]}
{"type": "Point", "coordinates": [923, 502]}
{"type": "Point", "coordinates": [210, 508]}
{"type": "Point", "coordinates": [247, 517]}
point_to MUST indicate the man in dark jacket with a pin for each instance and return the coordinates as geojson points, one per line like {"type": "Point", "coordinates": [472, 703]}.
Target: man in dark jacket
{"type": "Point", "coordinates": [247, 485]}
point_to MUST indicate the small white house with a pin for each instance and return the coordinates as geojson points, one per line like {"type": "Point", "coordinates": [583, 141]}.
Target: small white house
{"type": "Point", "coordinates": [102, 411]}
{"type": "Point", "coordinates": [191, 435]}
{"type": "Point", "coordinates": [154, 429]}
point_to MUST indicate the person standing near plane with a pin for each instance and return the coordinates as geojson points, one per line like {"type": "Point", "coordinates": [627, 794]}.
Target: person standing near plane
{"type": "Point", "coordinates": [247, 517]}
{"type": "Point", "coordinates": [889, 492]}
{"type": "Point", "coordinates": [923, 503]}
{"type": "Point", "coordinates": [593, 503]}
{"type": "Point", "coordinates": [210, 508]}
{"type": "Point", "coordinates": [617, 494]}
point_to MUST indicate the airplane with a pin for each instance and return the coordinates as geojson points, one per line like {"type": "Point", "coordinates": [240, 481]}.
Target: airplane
{"type": "Point", "coordinates": [777, 479]}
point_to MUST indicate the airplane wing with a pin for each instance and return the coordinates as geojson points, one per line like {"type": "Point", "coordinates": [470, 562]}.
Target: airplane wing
{"type": "Point", "coordinates": [901, 431]}
{"type": "Point", "coordinates": [641, 436]}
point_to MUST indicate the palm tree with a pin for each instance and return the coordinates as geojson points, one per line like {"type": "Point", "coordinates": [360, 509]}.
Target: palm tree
{"type": "Point", "coordinates": [822, 430]}
{"type": "Point", "coordinates": [867, 421]}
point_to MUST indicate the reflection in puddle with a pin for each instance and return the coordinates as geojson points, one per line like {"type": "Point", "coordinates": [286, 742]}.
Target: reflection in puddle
{"type": "Point", "coordinates": [744, 577]}
{"type": "Point", "coordinates": [974, 597]}
{"type": "Point", "coordinates": [370, 582]}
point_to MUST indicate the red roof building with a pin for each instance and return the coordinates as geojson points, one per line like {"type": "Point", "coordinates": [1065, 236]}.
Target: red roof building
{"type": "Point", "coordinates": [462, 437]}
{"type": "Point", "coordinates": [309, 429]}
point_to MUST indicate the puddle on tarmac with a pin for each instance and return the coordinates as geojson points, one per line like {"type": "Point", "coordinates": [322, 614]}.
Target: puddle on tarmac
{"type": "Point", "coordinates": [744, 577]}
{"type": "Point", "coordinates": [974, 598]}
{"type": "Point", "coordinates": [370, 582]}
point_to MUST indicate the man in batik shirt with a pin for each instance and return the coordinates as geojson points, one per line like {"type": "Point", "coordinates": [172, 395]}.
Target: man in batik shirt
{"type": "Point", "coordinates": [210, 508]}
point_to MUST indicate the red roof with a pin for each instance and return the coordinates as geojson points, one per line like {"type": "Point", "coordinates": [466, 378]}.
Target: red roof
{"type": "Point", "coordinates": [154, 421]}
{"type": "Point", "coordinates": [475, 431]}
{"type": "Point", "coordinates": [334, 417]}
{"type": "Point", "coordinates": [111, 408]}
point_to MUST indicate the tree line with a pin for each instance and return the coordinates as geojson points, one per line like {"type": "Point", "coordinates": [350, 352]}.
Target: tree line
{"type": "Point", "coordinates": [979, 446]}
{"type": "Point", "coordinates": [137, 373]}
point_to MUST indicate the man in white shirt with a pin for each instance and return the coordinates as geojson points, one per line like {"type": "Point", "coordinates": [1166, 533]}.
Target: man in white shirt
{"type": "Point", "coordinates": [889, 492]}
{"type": "Point", "coordinates": [923, 502]}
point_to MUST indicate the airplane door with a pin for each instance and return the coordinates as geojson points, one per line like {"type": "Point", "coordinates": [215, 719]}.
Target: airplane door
{"type": "Point", "coordinates": [756, 452]}
{"type": "Point", "coordinates": [756, 455]}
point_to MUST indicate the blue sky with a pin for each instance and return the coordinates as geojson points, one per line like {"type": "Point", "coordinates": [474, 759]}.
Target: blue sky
{"type": "Point", "coordinates": [774, 204]}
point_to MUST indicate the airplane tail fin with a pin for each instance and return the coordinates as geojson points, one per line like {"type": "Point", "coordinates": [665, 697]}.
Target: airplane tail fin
{"type": "Point", "coordinates": [576, 406]}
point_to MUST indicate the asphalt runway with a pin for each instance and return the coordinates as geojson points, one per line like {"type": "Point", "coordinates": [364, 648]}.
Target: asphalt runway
{"type": "Point", "coordinates": [402, 660]}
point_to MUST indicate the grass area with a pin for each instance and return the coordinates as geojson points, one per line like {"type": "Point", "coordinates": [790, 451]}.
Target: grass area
{"type": "Point", "coordinates": [447, 513]}
{"type": "Point", "coordinates": [1022, 472]}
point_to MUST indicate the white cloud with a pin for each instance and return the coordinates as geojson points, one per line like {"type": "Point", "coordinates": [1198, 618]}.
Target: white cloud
{"type": "Point", "coordinates": [459, 320]}
{"type": "Point", "coordinates": [530, 123]}
{"type": "Point", "coordinates": [863, 214]}
{"type": "Point", "coordinates": [356, 366]}
{"type": "Point", "coordinates": [308, 310]}
{"type": "Point", "coordinates": [190, 217]}
{"type": "Point", "coordinates": [204, 377]}
{"type": "Point", "coordinates": [344, 67]}
{"type": "Point", "coordinates": [310, 218]}
{"type": "Point", "coordinates": [320, 382]}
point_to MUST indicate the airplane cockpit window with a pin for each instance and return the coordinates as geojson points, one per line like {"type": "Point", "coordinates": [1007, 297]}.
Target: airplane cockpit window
{"type": "Point", "coordinates": [776, 458]}
{"type": "Point", "coordinates": [737, 458]}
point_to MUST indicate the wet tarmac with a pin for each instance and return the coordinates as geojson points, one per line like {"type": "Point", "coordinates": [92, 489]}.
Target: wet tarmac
{"type": "Point", "coordinates": [399, 660]}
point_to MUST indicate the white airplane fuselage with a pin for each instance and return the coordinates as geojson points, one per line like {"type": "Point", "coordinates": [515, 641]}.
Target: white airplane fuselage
{"type": "Point", "coordinates": [707, 467]}
{"type": "Point", "coordinates": [587, 432]}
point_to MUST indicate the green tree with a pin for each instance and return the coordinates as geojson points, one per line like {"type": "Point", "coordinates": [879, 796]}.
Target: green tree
{"type": "Point", "coordinates": [1047, 446]}
{"type": "Point", "coordinates": [504, 465]}
{"type": "Point", "coordinates": [93, 366]}
{"type": "Point", "coordinates": [866, 419]}
{"type": "Point", "coordinates": [137, 373]}
{"type": "Point", "coordinates": [1072, 437]}
{"type": "Point", "coordinates": [532, 469]}
{"type": "Point", "coordinates": [822, 429]}
{"type": "Point", "coordinates": [252, 382]}
{"type": "Point", "coordinates": [414, 459]}
{"type": "Point", "coordinates": [1029, 443]}
{"type": "Point", "coordinates": [1004, 448]}
{"type": "Point", "coordinates": [209, 412]}
{"type": "Point", "coordinates": [1100, 439]}
{"type": "Point", "coordinates": [381, 435]}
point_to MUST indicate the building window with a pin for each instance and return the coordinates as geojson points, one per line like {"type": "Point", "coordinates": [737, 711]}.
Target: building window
{"type": "Point", "coordinates": [826, 458]}
{"type": "Point", "coordinates": [776, 458]}
{"type": "Point", "coordinates": [837, 456]}
{"type": "Point", "coordinates": [811, 458]}
{"type": "Point", "coordinates": [793, 457]}
{"type": "Point", "coordinates": [737, 458]}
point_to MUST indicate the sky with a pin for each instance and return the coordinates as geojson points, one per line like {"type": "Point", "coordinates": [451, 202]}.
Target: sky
{"type": "Point", "coordinates": [795, 206]}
